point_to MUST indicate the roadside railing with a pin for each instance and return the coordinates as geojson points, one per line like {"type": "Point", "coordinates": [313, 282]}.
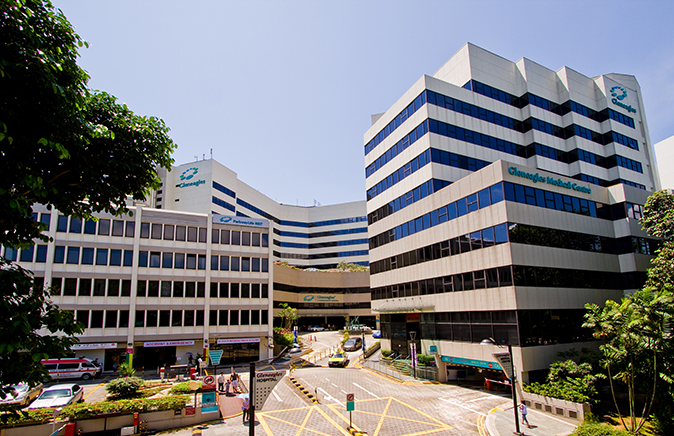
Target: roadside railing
{"type": "Point", "coordinates": [386, 367]}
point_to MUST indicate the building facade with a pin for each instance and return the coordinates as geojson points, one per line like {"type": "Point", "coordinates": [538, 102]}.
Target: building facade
{"type": "Point", "coordinates": [501, 197]}
{"type": "Point", "coordinates": [664, 152]}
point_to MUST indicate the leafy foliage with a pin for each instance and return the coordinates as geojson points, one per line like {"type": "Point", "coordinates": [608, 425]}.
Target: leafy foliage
{"type": "Point", "coordinates": [182, 388]}
{"type": "Point", "coordinates": [425, 359]}
{"type": "Point", "coordinates": [25, 308]}
{"type": "Point", "coordinates": [124, 387]}
{"type": "Point", "coordinates": [288, 315]}
{"type": "Point", "coordinates": [283, 337]}
{"type": "Point", "coordinates": [125, 370]}
{"type": "Point", "coordinates": [386, 354]}
{"type": "Point", "coordinates": [348, 266]}
{"type": "Point", "coordinates": [597, 429]}
{"type": "Point", "coordinates": [89, 410]}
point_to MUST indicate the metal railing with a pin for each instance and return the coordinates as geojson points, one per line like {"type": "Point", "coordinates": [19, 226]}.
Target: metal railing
{"type": "Point", "coordinates": [386, 367]}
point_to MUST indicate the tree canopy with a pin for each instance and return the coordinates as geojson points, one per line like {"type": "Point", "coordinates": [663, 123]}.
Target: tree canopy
{"type": "Point", "coordinates": [62, 144]}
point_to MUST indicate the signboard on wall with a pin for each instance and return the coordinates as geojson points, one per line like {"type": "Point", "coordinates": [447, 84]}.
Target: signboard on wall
{"type": "Point", "coordinates": [240, 221]}
{"type": "Point", "coordinates": [321, 298]}
{"type": "Point", "coordinates": [471, 362]}
{"type": "Point", "coordinates": [107, 346]}
{"type": "Point", "coordinates": [238, 341]}
{"type": "Point", "coordinates": [168, 343]}
{"type": "Point", "coordinates": [265, 381]}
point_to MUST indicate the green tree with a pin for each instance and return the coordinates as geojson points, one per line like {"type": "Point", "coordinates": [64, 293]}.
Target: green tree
{"type": "Point", "coordinates": [288, 315]}
{"type": "Point", "coordinates": [63, 146]}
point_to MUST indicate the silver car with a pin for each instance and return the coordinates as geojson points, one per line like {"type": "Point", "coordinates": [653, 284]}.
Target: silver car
{"type": "Point", "coordinates": [22, 394]}
{"type": "Point", "coordinates": [59, 395]}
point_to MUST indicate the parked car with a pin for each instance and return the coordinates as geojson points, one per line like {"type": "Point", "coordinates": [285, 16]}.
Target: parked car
{"type": "Point", "coordinates": [376, 334]}
{"type": "Point", "coordinates": [315, 328]}
{"type": "Point", "coordinates": [338, 359]}
{"type": "Point", "coordinates": [353, 344]}
{"type": "Point", "coordinates": [60, 369]}
{"type": "Point", "coordinates": [59, 395]}
{"type": "Point", "coordinates": [22, 395]}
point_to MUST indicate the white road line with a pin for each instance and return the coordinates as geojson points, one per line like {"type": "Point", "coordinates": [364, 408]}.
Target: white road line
{"type": "Point", "coordinates": [276, 395]}
{"type": "Point", "coordinates": [335, 385]}
{"type": "Point", "coordinates": [483, 398]}
{"type": "Point", "coordinates": [359, 386]}
{"type": "Point", "coordinates": [462, 406]}
{"type": "Point", "coordinates": [329, 397]}
{"type": "Point", "coordinates": [344, 392]}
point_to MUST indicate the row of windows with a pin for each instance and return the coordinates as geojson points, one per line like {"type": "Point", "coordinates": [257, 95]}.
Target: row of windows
{"type": "Point", "coordinates": [462, 244]}
{"type": "Point", "coordinates": [516, 275]}
{"type": "Point", "coordinates": [396, 122]}
{"type": "Point", "coordinates": [89, 287]}
{"type": "Point", "coordinates": [102, 226]}
{"type": "Point", "coordinates": [239, 290]}
{"type": "Point", "coordinates": [431, 155]}
{"type": "Point", "coordinates": [89, 256]}
{"type": "Point", "coordinates": [463, 206]}
{"type": "Point", "coordinates": [313, 290]}
{"type": "Point", "coordinates": [559, 109]}
{"type": "Point", "coordinates": [494, 143]}
{"type": "Point", "coordinates": [96, 319]}
{"type": "Point", "coordinates": [170, 232]}
{"type": "Point", "coordinates": [222, 203]}
{"type": "Point", "coordinates": [320, 244]}
{"type": "Point", "coordinates": [320, 234]}
{"type": "Point", "coordinates": [224, 189]}
{"type": "Point", "coordinates": [156, 259]}
{"type": "Point", "coordinates": [320, 256]}
{"type": "Point", "coordinates": [408, 198]}
{"type": "Point", "coordinates": [547, 237]}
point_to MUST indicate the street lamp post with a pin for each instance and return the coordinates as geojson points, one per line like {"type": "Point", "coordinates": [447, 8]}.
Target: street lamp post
{"type": "Point", "coordinates": [512, 377]}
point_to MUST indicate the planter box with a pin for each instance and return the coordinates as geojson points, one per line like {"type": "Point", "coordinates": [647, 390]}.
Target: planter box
{"type": "Point", "coordinates": [556, 406]}
{"type": "Point", "coordinates": [155, 421]}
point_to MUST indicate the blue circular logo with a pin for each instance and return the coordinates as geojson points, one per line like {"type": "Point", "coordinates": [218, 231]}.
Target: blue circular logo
{"type": "Point", "coordinates": [225, 219]}
{"type": "Point", "coordinates": [619, 92]}
{"type": "Point", "coordinates": [189, 173]}
{"type": "Point", "coordinates": [308, 297]}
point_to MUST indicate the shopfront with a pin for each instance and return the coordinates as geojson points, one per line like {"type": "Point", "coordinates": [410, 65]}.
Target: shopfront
{"type": "Point", "coordinates": [155, 354]}
{"type": "Point", "coordinates": [238, 350]}
{"type": "Point", "coordinates": [107, 353]}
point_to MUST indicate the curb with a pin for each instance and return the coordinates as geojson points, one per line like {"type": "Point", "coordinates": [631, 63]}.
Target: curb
{"type": "Point", "coordinates": [304, 390]}
{"type": "Point", "coordinates": [355, 432]}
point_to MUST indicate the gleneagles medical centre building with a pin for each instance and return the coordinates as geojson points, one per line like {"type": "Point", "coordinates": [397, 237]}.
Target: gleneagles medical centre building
{"type": "Point", "coordinates": [501, 198]}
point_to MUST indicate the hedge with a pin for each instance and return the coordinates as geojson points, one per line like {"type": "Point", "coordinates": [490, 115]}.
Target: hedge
{"type": "Point", "coordinates": [83, 411]}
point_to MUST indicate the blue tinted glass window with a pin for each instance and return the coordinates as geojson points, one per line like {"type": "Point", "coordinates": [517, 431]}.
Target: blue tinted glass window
{"type": "Point", "coordinates": [115, 257]}
{"type": "Point", "coordinates": [41, 254]}
{"type": "Point", "coordinates": [520, 197]}
{"type": "Point", "coordinates": [451, 211]}
{"type": "Point", "coordinates": [142, 258]}
{"type": "Point", "coordinates": [101, 256]}
{"type": "Point", "coordinates": [59, 254]}
{"type": "Point", "coordinates": [75, 225]}
{"type": "Point", "coordinates": [462, 207]}
{"type": "Point", "coordinates": [472, 203]}
{"type": "Point", "coordinates": [509, 189]}
{"type": "Point", "coordinates": [501, 233]}
{"type": "Point", "coordinates": [73, 255]}
{"type": "Point", "coordinates": [128, 257]}
{"type": "Point", "coordinates": [27, 254]}
{"type": "Point", "coordinates": [87, 256]}
{"type": "Point", "coordinates": [62, 224]}
{"type": "Point", "coordinates": [484, 198]}
{"type": "Point", "coordinates": [11, 253]}
{"type": "Point", "coordinates": [540, 198]}
{"type": "Point", "coordinates": [488, 236]}
{"type": "Point", "coordinates": [90, 227]}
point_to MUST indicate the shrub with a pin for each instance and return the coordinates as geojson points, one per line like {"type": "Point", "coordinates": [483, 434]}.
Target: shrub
{"type": "Point", "coordinates": [182, 388]}
{"type": "Point", "coordinates": [596, 429]}
{"type": "Point", "coordinates": [126, 371]}
{"type": "Point", "coordinates": [346, 337]}
{"type": "Point", "coordinates": [386, 354]}
{"type": "Point", "coordinates": [425, 360]}
{"type": "Point", "coordinates": [126, 387]}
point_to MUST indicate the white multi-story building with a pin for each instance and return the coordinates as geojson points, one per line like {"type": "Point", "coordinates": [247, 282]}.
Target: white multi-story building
{"type": "Point", "coordinates": [664, 153]}
{"type": "Point", "coordinates": [501, 197]}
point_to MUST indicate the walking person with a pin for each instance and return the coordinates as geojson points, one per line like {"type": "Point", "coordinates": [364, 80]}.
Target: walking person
{"type": "Point", "coordinates": [221, 382]}
{"type": "Point", "coordinates": [227, 383]}
{"type": "Point", "coordinates": [245, 408]}
{"type": "Point", "coordinates": [235, 383]}
{"type": "Point", "coordinates": [523, 411]}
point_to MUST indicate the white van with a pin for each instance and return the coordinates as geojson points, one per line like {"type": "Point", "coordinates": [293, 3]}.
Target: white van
{"type": "Point", "coordinates": [60, 369]}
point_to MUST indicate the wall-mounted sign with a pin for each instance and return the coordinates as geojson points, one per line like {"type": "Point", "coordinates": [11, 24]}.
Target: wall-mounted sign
{"type": "Point", "coordinates": [188, 175]}
{"type": "Point", "coordinates": [240, 221]}
{"type": "Point", "coordinates": [108, 346]}
{"type": "Point", "coordinates": [321, 298]}
{"type": "Point", "coordinates": [471, 362]}
{"type": "Point", "coordinates": [238, 341]}
{"type": "Point", "coordinates": [168, 343]}
{"type": "Point", "coordinates": [618, 94]}
{"type": "Point", "coordinates": [537, 178]}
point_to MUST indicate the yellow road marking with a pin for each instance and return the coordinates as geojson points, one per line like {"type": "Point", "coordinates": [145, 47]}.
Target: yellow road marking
{"type": "Point", "coordinates": [333, 422]}
{"type": "Point", "coordinates": [304, 422]}
{"type": "Point", "coordinates": [264, 424]}
{"type": "Point", "coordinates": [302, 427]}
{"type": "Point", "coordinates": [383, 415]}
{"type": "Point", "coordinates": [94, 390]}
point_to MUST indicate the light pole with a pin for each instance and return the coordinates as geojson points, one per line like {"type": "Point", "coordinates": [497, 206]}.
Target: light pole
{"type": "Point", "coordinates": [413, 346]}
{"type": "Point", "coordinates": [512, 377]}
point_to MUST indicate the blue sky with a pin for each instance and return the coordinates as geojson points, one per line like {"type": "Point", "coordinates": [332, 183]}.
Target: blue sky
{"type": "Point", "coordinates": [282, 91]}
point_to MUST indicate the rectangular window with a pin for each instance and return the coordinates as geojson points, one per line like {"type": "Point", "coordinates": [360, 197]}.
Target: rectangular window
{"type": "Point", "coordinates": [117, 228]}
{"type": "Point", "coordinates": [151, 318]}
{"type": "Point", "coordinates": [234, 290]}
{"type": "Point", "coordinates": [245, 239]}
{"type": "Point", "coordinates": [180, 233]}
{"type": "Point", "coordinates": [27, 254]}
{"type": "Point", "coordinates": [224, 263]}
{"type": "Point", "coordinates": [255, 264]}
{"type": "Point", "coordinates": [236, 238]}
{"type": "Point", "coordinates": [62, 224]}
{"type": "Point", "coordinates": [104, 227]}
{"type": "Point", "coordinates": [234, 266]}
{"type": "Point", "coordinates": [167, 260]}
{"type": "Point", "coordinates": [110, 319]}
{"type": "Point", "coordinates": [155, 259]}
{"type": "Point", "coordinates": [90, 227]}
{"type": "Point", "coordinates": [202, 234]}
{"type": "Point", "coordinates": [73, 255]}
{"type": "Point", "coordinates": [264, 317]}
{"type": "Point", "coordinates": [199, 320]}
{"type": "Point", "coordinates": [233, 317]}
{"type": "Point", "coordinates": [123, 318]}
{"type": "Point", "coordinates": [245, 290]}
{"type": "Point", "coordinates": [126, 288]}
{"type": "Point", "coordinates": [191, 234]}
{"type": "Point", "coordinates": [177, 318]}
{"type": "Point", "coordinates": [45, 218]}
{"type": "Point", "coordinates": [70, 287]}
{"type": "Point", "coordinates": [165, 288]}
{"type": "Point", "coordinates": [265, 265]}
{"type": "Point", "coordinates": [265, 240]}
{"type": "Point", "coordinates": [191, 261]}
{"type": "Point", "coordinates": [128, 257]}
{"type": "Point", "coordinates": [212, 317]}
{"type": "Point", "coordinates": [214, 290]}
{"type": "Point", "coordinates": [115, 257]}
{"type": "Point", "coordinates": [215, 236]}
{"type": "Point", "coordinates": [96, 319]}
{"type": "Point", "coordinates": [201, 261]}
{"type": "Point", "coordinates": [10, 254]}
{"type": "Point", "coordinates": [255, 241]}
{"type": "Point", "coordinates": [99, 287]}
{"type": "Point", "coordinates": [245, 264]}
{"type": "Point", "coordinates": [140, 318]}
{"type": "Point", "coordinates": [87, 256]}
{"type": "Point", "coordinates": [145, 230]}
{"type": "Point", "coordinates": [85, 288]}
{"type": "Point", "coordinates": [189, 318]}
{"type": "Point", "coordinates": [179, 261]}
{"type": "Point", "coordinates": [255, 290]}
{"type": "Point", "coordinates": [164, 318]}
{"type": "Point", "coordinates": [245, 317]}
{"type": "Point", "coordinates": [224, 318]}
{"type": "Point", "coordinates": [255, 317]}
{"type": "Point", "coordinates": [75, 225]}
{"type": "Point", "coordinates": [113, 288]}
{"type": "Point", "coordinates": [130, 229]}
{"type": "Point", "coordinates": [141, 288]}
{"type": "Point", "coordinates": [168, 232]}
{"type": "Point", "coordinates": [101, 256]}
{"type": "Point", "coordinates": [214, 263]}
{"type": "Point", "coordinates": [153, 288]}
{"type": "Point", "coordinates": [156, 231]}
{"type": "Point", "coordinates": [201, 289]}
{"type": "Point", "coordinates": [41, 256]}
{"type": "Point", "coordinates": [189, 290]}
{"type": "Point", "coordinates": [224, 237]}
{"type": "Point", "coordinates": [83, 317]}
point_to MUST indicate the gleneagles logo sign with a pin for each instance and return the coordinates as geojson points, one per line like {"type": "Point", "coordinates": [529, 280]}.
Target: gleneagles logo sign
{"type": "Point", "coordinates": [189, 174]}
{"type": "Point", "coordinates": [619, 94]}
{"type": "Point", "coordinates": [537, 178]}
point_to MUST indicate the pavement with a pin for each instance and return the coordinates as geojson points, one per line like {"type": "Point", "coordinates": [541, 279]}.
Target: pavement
{"type": "Point", "coordinates": [501, 422]}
